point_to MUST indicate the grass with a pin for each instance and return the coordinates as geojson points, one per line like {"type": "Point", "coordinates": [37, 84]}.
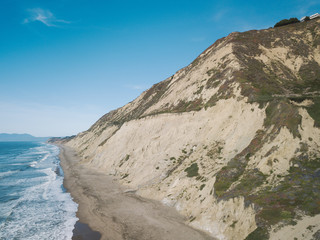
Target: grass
{"type": "Point", "coordinates": [281, 113]}
{"type": "Point", "coordinates": [274, 215]}
{"type": "Point", "coordinates": [236, 166]}
{"type": "Point", "coordinates": [258, 234]}
{"type": "Point", "coordinates": [299, 190]}
{"type": "Point", "coordinates": [249, 181]}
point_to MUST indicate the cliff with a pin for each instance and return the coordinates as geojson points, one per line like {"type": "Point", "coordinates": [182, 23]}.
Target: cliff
{"type": "Point", "coordinates": [231, 141]}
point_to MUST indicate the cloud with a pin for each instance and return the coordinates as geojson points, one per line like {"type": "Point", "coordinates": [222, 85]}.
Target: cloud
{"type": "Point", "coordinates": [136, 87]}
{"type": "Point", "coordinates": [197, 39]}
{"type": "Point", "coordinates": [44, 16]}
{"type": "Point", "coordinates": [219, 15]}
{"type": "Point", "coordinates": [305, 8]}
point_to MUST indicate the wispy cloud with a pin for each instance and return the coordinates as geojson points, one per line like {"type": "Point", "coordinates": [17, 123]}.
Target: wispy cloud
{"type": "Point", "coordinates": [44, 16]}
{"type": "Point", "coordinates": [219, 15]}
{"type": "Point", "coordinates": [197, 39]}
{"type": "Point", "coordinates": [305, 8]}
{"type": "Point", "coordinates": [136, 87]}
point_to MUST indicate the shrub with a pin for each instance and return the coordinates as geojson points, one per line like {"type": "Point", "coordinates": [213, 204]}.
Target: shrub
{"type": "Point", "coordinates": [286, 22]}
{"type": "Point", "coordinates": [192, 171]}
{"type": "Point", "coordinates": [258, 233]}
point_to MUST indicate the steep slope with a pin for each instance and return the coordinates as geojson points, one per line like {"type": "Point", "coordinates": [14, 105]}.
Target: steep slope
{"type": "Point", "coordinates": [232, 140]}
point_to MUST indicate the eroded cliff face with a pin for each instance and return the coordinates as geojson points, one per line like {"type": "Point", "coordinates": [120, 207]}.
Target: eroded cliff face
{"type": "Point", "coordinates": [231, 141]}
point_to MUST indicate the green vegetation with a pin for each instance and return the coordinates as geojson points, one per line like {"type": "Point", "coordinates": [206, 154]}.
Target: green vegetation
{"type": "Point", "coordinates": [183, 106]}
{"type": "Point", "coordinates": [286, 22]}
{"type": "Point", "coordinates": [211, 102]}
{"type": "Point", "coordinates": [262, 82]}
{"type": "Point", "coordinates": [127, 157]}
{"type": "Point", "coordinates": [283, 114]}
{"type": "Point", "coordinates": [215, 150]}
{"type": "Point", "coordinates": [199, 90]}
{"type": "Point", "coordinates": [202, 186]}
{"type": "Point", "coordinates": [236, 166]}
{"type": "Point", "coordinates": [103, 142]}
{"type": "Point", "coordinates": [314, 111]}
{"type": "Point", "coordinates": [125, 175]}
{"type": "Point", "coordinates": [215, 75]}
{"type": "Point", "coordinates": [212, 71]}
{"type": "Point", "coordinates": [249, 181]}
{"type": "Point", "coordinates": [233, 224]}
{"type": "Point", "coordinates": [192, 170]}
{"type": "Point", "coordinates": [299, 190]}
{"type": "Point", "coordinates": [309, 73]}
{"type": "Point", "coordinates": [274, 215]}
{"type": "Point", "coordinates": [228, 175]}
{"type": "Point", "coordinates": [258, 234]}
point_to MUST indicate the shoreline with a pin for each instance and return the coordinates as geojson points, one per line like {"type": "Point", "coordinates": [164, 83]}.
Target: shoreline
{"type": "Point", "coordinates": [106, 207]}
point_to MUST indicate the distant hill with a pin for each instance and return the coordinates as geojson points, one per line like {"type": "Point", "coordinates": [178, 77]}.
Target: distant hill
{"type": "Point", "coordinates": [6, 137]}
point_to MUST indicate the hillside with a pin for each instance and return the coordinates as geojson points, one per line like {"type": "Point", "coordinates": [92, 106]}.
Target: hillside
{"type": "Point", "coordinates": [231, 141]}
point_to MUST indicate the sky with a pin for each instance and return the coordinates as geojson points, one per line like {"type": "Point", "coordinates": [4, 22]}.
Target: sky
{"type": "Point", "coordinates": [65, 63]}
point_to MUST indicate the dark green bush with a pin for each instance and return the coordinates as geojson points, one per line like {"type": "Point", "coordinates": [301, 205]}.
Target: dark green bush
{"type": "Point", "coordinates": [286, 22]}
{"type": "Point", "coordinates": [192, 171]}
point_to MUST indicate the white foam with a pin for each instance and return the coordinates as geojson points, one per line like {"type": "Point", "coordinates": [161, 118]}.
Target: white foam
{"type": "Point", "coordinates": [33, 164]}
{"type": "Point", "coordinates": [8, 173]}
{"type": "Point", "coordinates": [44, 211]}
{"type": "Point", "coordinates": [45, 157]}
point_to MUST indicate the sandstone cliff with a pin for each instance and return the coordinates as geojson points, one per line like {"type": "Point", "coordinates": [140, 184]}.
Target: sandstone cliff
{"type": "Point", "coordinates": [231, 141]}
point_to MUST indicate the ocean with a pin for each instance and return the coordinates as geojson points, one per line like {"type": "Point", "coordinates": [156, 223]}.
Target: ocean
{"type": "Point", "coordinates": [33, 202]}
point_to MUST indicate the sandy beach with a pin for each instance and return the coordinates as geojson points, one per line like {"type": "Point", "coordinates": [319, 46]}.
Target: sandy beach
{"type": "Point", "coordinates": [116, 213]}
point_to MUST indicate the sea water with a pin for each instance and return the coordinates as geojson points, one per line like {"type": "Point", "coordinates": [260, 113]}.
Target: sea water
{"type": "Point", "coordinates": [33, 203]}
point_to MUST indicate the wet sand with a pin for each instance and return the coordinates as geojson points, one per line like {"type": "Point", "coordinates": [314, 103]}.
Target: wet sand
{"type": "Point", "coordinates": [107, 208]}
{"type": "Point", "coordinates": [82, 231]}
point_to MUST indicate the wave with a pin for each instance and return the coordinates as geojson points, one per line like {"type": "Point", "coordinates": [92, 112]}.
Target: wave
{"type": "Point", "coordinates": [8, 173]}
{"type": "Point", "coordinates": [42, 210]}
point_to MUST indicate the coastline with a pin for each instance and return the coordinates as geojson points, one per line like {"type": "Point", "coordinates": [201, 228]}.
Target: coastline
{"type": "Point", "coordinates": [107, 208]}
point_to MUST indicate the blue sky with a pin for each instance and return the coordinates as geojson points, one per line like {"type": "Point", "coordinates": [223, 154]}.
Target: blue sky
{"type": "Point", "coordinates": [65, 63]}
